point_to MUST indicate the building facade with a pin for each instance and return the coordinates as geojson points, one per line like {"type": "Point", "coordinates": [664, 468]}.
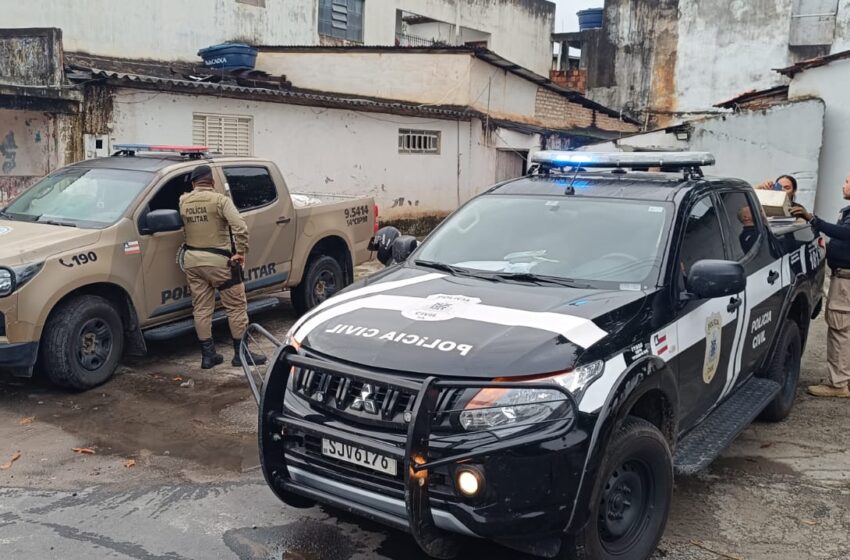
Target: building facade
{"type": "Point", "coordinates": [662, 61]}
{"type": "Point", "coordinates": [518, 30]}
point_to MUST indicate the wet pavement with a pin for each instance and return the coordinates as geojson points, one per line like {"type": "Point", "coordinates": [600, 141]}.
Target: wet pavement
{"type": "Point", "coordinates": [173, 474]}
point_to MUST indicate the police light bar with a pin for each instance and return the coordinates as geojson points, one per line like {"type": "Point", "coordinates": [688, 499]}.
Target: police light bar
{"type": "Point", "coordinates": [160, 148]}
{"type": "Point", "coordinates": [553, 158]}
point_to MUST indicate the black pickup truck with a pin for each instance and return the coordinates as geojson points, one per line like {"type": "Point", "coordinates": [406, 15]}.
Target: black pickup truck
{"type": "Point", "coordinates": [539, 367]}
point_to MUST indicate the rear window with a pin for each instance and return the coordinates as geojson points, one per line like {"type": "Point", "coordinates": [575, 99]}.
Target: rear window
{"type": "Point", "coordinates": [250, 187]}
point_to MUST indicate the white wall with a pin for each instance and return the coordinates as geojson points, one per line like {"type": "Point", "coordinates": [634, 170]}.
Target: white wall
{"type": "Point", "coordinates": [829, 83]}
{"type": "Point", "coordinates": [332, 150]}
{"type": "Point", "coordinates": [175, 30]}
{"type": "Point", "coordinates": [421, 77]}
{"type": "Point", "coordinates": [753, 145]}
{"type": "Point", "coordinates": [520, 30]}
{"type": "Point", "coordinates": [438, 79]}
{"type": "Point", "coordinates": [166, 29]}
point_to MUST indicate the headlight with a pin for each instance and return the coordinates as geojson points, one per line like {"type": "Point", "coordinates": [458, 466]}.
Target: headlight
{"type": "Point", "coordinates": [7, 282]}
{"type": "Point", "coordinates": [13, 278]}
{"type": "Point", "coordinates": [496, 407]}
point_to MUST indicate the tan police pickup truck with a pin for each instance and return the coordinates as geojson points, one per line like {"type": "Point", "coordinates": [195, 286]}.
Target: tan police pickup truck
{"type": "Point", "coordinates": [88, 265]}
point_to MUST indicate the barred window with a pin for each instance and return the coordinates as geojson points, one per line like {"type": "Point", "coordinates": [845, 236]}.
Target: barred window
{"type": "Point", "coordinates": [225, 134]}
{"type": "Point", "coordinates": [418, 141]}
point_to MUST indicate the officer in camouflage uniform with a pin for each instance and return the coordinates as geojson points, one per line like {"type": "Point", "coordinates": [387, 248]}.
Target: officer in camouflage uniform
{"type": "Point", "coordinates": [213, 227]}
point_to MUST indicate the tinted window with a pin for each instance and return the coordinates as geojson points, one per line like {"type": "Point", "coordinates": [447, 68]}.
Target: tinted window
{"type": "Point", "coordinates": [703, 239]}
{"type": "Point", "coordinates": [250, 187]}
{"type": "Point", "coordinates": [740, 215]}
{"type": "Point", "coordinates": [166, 198]}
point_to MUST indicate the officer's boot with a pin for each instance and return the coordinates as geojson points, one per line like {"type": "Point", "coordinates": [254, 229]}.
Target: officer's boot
{"type": "Point", "coordinates": [209, 357]}
{"type": "Point", "coordinates": [255, 359]}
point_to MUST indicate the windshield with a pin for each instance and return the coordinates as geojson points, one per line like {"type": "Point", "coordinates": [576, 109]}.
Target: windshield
{"type": "Point", "coordinates": [79, 196]}
{"type": "Point", "coordinates": [565, 237]}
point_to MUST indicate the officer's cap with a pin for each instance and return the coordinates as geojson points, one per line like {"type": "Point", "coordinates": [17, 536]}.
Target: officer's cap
{"type": "Point", "coordinates": [201, 173]}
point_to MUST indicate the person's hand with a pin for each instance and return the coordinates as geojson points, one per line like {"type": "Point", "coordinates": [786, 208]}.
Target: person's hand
{"type": "Point", "coordinates": [798, 212]}
{"type": "Point", "coordinates": [240, 259]}
{"type": "Point", "coordinates": [765, 185]}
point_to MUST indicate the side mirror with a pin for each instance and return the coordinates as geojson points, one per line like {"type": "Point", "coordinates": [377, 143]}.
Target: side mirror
{"type": "Point", "coordinates": [714, 278]}
{"type": "Point", "coordinates": [403, 247]}
{"type": "Point", "coordinates": [163, 220]}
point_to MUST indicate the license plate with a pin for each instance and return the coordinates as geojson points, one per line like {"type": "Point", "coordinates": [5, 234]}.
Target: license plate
{"type": "Point", "coordinates": [357, 456]}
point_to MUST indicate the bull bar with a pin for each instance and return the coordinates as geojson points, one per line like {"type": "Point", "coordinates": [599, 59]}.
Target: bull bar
{"type": "Point", "coordinates": [269, 390]}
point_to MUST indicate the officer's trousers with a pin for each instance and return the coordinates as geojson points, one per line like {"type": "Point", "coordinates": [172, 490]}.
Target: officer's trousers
{"type": "Point", "coordinates": [838, 336]}
{"type": "Point", "coordinates": [203, 281]}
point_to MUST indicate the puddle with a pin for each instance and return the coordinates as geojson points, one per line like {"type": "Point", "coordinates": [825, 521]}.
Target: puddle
{"type": "Point", "coordinates": [306, 539]}
{"type": "Point", "coordinates": [149, 411]}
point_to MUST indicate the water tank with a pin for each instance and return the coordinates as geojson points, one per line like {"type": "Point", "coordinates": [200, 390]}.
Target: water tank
{"type": "Point", "coordinates": [229, 56]}
{"type": "Point", "coordinates": [590, 19]}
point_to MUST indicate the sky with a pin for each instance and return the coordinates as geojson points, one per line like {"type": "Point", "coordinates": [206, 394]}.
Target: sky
{"type": "Point", "coordinates": [565, 17]}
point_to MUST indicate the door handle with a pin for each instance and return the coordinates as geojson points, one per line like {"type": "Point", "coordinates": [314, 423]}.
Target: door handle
{"type": "Point", "coordinates": [734, 303]}
{"type": "Point", "coordinates": [772, 277]}
{"type": "Point", "coordinates": [283, 220]}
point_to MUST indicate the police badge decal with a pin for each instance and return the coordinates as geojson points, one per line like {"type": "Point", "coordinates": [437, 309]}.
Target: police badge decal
{"type": "Point", "coordinates": [713, 332]}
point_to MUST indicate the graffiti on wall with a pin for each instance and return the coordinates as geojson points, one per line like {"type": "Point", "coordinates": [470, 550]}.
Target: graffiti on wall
{"type": "Point", "coordinates": [8, 149]}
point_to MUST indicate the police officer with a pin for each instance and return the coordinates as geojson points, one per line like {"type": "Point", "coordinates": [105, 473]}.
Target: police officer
{"type": "Point", "coordinates": [838, 301]}
{"type": "Point", "coordinates": [213, 257]}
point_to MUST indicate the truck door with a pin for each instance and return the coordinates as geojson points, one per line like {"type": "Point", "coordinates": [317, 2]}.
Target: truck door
{"type": "Point", "coordinates": [707, 330]}
{"type": "Point", "coordinates": [265, 204]}
{"type": "Point", "coordinates": [749, 245]}
{"type": "Point", "coordinates": [166, 290]}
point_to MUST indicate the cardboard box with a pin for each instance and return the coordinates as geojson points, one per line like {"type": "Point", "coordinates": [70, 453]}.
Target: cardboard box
{"type": "Point", "coordinates": [775, 203]}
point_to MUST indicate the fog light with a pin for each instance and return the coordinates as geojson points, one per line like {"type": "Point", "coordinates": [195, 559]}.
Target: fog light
{"type": "Point", "coordinates": [469, 481]}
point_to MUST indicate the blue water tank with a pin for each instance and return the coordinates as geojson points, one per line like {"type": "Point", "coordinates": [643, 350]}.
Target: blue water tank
{"type": "Point", "coordinates": [590, 19]}
{"type": "Point", "coordinates": [229, 56]}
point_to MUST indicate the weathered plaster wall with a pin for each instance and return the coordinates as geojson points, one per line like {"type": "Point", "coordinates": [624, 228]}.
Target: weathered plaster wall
{"type": "Point", "coordinates": [334, 151]}
{"type": "Point", "coordinates": [753, 145]}
{"type": "Point", "coordinates": [28, 149]}
{"type": "Point", "coordinates": [166, 29]}
{"type": "Point", "coordinates": [830, 83]}
{"type": "Point", "coordinates": [519, 30]}
{"type": "Point", "coordinates": [427, 78]}
{"type": "Point", "coordinates": [664, 60]}
{"type": "Point", "coordinates": [172, 30]}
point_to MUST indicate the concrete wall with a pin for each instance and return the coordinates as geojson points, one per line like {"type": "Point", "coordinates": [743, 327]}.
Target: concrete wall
{"type": "Point", "coordinates": [335, 151]}
{"type": "Point", "coordinates": [166, 29]}
{"type": "Point", "coordinates": [171, 30]}
{"type": "Point", "coordinates": [666, 59]}
{"type": "Point", "coordinates": [426, 78]}
{"type": "Point", "coordinates": [28, 149]}
{"type": "Point", "coordinates": [829, 83]}
{"type": "Point", "coordinates": [437, 79]}
{"type": "Point", "coordinates": [520, 30]}
{"type": "Point", "coordinates": [753, 145]}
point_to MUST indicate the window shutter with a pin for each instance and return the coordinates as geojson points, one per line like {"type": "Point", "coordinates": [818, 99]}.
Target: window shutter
{"type": "Point", "coordinates": [812, 23]}
{"type": "Point", "coordinates": [226, 134]}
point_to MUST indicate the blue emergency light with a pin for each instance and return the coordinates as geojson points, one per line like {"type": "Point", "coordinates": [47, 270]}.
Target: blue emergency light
{"type": "Point", "coordinates": [558, 159]}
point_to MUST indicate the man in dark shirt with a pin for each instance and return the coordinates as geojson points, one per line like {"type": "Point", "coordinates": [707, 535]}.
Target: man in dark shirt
{"type": "Point", "coordinates": [838, 301]}
{"type": "Point", "coordinates": [749, 233]}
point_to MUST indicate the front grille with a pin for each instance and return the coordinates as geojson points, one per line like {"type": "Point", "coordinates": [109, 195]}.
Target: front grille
{"type": "Point", "coordinates": [366, 402]}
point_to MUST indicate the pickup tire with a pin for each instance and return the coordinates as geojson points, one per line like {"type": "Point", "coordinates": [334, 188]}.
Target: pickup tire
{"type": "Point", "coordinates": [82, 342]}
{"type": "Point", "coordinates": [323, 278]}
{"type": "Point", "coordinates": [631, 497]}
{"type": "Point", "coordinates": [784, 368]}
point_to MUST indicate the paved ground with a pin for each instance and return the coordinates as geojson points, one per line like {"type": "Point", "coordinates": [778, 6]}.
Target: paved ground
{"type": "Point", "coordinates": [194, 490]}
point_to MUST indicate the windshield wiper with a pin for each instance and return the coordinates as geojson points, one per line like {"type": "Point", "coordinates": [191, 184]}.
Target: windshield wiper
{"type": "Point", "coordinates": [538, 279]}
{"type": "Point", "coordinates": [441, 266]}
{"type": "Point", "coordinates": [57, 223]}
{"type": "Point", "coordinates": [6, 215]}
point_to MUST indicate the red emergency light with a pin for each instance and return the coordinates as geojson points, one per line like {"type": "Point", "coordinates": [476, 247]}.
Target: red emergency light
{"type": "Point", "coordinates": [161, 148]}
